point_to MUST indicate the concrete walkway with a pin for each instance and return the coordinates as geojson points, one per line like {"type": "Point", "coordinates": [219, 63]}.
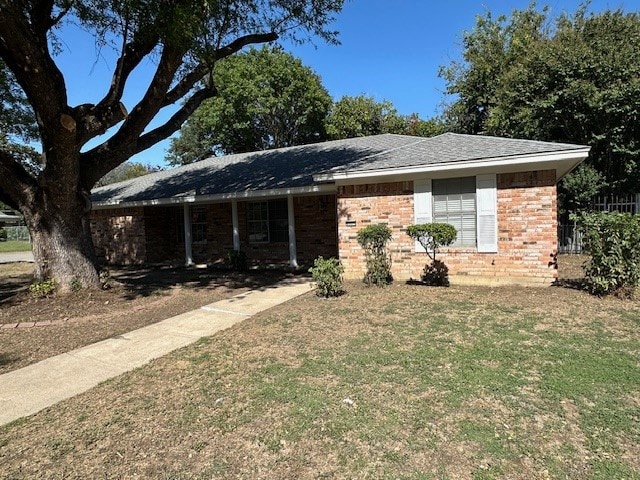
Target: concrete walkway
{"type": "Point", "coordinates": [10, 257]}
{"type": "Point", "coordinates": [33, 388]}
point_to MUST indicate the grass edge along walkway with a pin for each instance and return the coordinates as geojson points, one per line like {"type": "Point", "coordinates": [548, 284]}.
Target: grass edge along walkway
{"type": "Point", "coordinates": [28, 390]}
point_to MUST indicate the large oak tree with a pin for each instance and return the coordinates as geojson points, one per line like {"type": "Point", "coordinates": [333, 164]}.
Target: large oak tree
{"type": "Point", "coordinates": [182, 38]}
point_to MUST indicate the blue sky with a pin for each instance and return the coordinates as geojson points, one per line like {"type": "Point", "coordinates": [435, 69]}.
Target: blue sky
{"type": "Point", "coordinates": [390, 49]}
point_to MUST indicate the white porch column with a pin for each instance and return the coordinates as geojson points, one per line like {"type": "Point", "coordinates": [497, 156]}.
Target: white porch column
{"type": "Point", "coordinates": [293, 252]}
{"type": "Point", "coordinates": [188, 254]}
{"type": "Point", "coordinates": [236, 229]}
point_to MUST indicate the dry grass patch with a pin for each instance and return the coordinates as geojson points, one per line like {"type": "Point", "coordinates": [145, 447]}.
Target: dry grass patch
{"type": "Point", "coordinates": [403, 382]}
{"type": "Point", "coordinates": [138, 297]}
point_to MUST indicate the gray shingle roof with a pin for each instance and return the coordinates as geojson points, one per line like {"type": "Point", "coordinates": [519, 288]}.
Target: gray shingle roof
{"type": "Point", "coordinates": [295, 166]}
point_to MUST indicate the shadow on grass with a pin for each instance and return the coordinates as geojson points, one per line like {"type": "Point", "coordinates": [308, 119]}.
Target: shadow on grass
{"type": "Point", "coordinates": [572, 283]}
{"type": "Point", "coordinates": [7, 359]}
{"type": "Point", "coordinates": [11, 287]}
{"type": "Point", "coordinates": [156, 280]}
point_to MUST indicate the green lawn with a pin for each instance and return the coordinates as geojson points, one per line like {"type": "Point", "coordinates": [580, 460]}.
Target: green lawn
{"type": "Point", "coordinates": [14, 246]}
{"type": "Point", "coordinates": [406, 382]}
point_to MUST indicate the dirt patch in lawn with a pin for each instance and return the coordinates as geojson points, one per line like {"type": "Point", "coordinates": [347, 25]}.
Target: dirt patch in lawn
{"type": "Point", "coordinates": [138, 297]}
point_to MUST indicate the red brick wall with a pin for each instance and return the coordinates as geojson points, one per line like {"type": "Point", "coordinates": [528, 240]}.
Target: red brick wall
{"type": "Point", "coordinates": [219, 236]}
{"type": "Point", "coordinates": [119, 235]}
{"type": "Point", "coordinates": [316, 233]}
{"type": "Point", "coordinates": [161, 226]}
{"type": "Point", "coordinates": [390, 203]}
{"type": "Point", "coordinates": [527, 231]}
{"type": "Point", "coordinates": [316, 228]}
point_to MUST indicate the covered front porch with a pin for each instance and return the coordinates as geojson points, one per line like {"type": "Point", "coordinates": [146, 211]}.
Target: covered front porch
{"type": "Point", "coordinates": [290, 229]}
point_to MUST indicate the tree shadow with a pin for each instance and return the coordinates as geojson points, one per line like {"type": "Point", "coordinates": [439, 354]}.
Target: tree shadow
{"type": "Point", "coordinates": [12, 286]}
{"type": "Point", "coordinates": [6, 359]}
{"type": "Point", "coordinates": [157, 280]}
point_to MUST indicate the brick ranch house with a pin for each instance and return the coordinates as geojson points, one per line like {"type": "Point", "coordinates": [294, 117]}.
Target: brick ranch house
{"type": "Point", "coordinates": [290, 205]}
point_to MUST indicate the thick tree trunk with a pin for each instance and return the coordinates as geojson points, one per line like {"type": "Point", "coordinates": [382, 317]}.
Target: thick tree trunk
{"type": "Point", "coordinates": [62, 246]}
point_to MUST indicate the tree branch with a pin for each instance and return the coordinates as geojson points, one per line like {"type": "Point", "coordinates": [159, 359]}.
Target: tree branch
{"type": "Point", "coordinates": [132, 54]}
{"type": "Point", "coordinates": [177, 119]}
{"type": "Point", "coordinates": [15, 181]}
{"type": "Point", "coordinates": [188, 81]}
{"type": "Point", "coordinates": [26, 53]}
{"type": "Point", "coordinates": [40, 13]}
{"type": "Point", "coordinates": [101, 160]}
{"type": "Point", "coordinates": [239, 43]}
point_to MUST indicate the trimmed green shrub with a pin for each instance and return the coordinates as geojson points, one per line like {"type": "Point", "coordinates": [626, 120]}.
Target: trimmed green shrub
{"type": "Point", "coordinates": [327, 273]}
{"type": "Point", "coordinates": [374, 239]}
{"type": "Point", "coordinates": [43, 288]}
{"type": "Point", "coordinates": [237, 260]}
{"type": "Point", "coordinates": [613, 242]}
{"type": "Point", "coordinates": [432, 236]}
{"type": "Point", "coordinates": [3, 235]}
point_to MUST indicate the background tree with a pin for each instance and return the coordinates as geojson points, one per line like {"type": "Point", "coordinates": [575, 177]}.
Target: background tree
{"type": "Point", "coordinates": [126, 171]}
{"type": "Point", "coordinates": [17, 122]}
{"type": "Point", "coordinates": [414, 125]}
{"type": "Point", "coordinates": [266, 99]}
{"type": "Point", "coordinates": [182, 39]}
{"type": "Point", "coordinates": [362, 116]}
{"type": "Point", "coordinates": [575, 78]}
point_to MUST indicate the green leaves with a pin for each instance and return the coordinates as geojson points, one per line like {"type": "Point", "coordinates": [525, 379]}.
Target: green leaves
{"type": "Point", "coordinates": [266, 99]}
{"type": "Point", "coordinates": [433, 235]}
{"type": "Point", "coordinates": [373, 239]}
{"type": "Point", "coordinates": [574, 78]}
{"type": "Point", "coordinates": [361, 116]}
{"type": "Point", "coordinates": [327, 274]}
{"type": "Point", "coordinates": [613, 241]}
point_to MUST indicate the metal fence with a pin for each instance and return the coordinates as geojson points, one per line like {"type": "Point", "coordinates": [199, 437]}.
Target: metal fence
{"type": "Point", "coordinates": [18, 233]}
{"type": "Point", "coordinates": [570, 238]}
{"type": "Point", "coordinates": [617, 203]}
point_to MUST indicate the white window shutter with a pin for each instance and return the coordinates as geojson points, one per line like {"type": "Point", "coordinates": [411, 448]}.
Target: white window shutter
{"type": "Point", "coordinates": [486, 195]}
{"type": "Point", "coordinates": [422, 205]}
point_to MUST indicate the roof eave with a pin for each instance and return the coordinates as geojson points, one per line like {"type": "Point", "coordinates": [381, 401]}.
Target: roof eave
{"type": "Point", "coordinates": [574, 157]}
{"type": "Point", "coordinates": [196, 199]}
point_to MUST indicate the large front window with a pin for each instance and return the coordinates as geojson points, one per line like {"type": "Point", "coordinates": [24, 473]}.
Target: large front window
{"type": "Point", "coordinates": [454, 202]}
{"type": "Point", "coordinates": [268, 221]}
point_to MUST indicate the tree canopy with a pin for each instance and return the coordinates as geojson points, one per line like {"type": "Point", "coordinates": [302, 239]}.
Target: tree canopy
{"type": "Point", "coordinates": [126, 171]}
{"type": "Point", "coordinates": [266, 99]}
{"type": "Point", "coordinates": [363, 115]}
{"type": "Point", "coordinates": [574, 78]}
{"type": "Point", "coordinates": [180, 40]}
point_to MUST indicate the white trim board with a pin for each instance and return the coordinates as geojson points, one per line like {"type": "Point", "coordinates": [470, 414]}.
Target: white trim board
{"type": "Point", "coordinates": [568, 159]}
{"type": "Point", "coordinates": [196, 199]}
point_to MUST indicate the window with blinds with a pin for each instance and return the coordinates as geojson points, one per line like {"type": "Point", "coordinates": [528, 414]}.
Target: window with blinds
{"type": "Point", "coordinates": [454, 202]}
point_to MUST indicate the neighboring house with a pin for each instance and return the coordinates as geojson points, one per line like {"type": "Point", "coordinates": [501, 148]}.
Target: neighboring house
{"type": "Point", "coordinates": [9, 219]}
{"type": "Point", "coordinates": [289, 205]}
